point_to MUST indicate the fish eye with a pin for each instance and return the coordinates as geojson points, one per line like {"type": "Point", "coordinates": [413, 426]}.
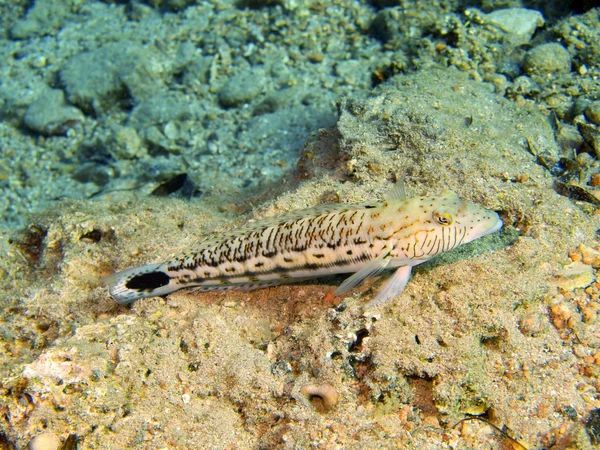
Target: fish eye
{"type": "Point", "coordinates": [444, 218]}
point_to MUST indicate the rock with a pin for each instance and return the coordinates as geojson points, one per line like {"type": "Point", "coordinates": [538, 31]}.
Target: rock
{"type": "Point", "coordinates": [579, 106]}
{"type": "Point", "coordinates": [197, 71]}
{"type": "Point", "coordinates": [51, 115]}
{"type": "Point", "coordinates": [96, 80]}
{"type": "Point", "coordinates": [242, 88]}
{"type": "Point", "coordinates": [518, 23]}
{"type": "Point", "coordinates": [575, 275]}
{"type": "Point", "coordinates": [569, 138]}
{"type": "Point", "coordinates": [592, 112]}
{"type": "Point", "coordinates": [125, 143]}
{"type": "Point", "coordinates": [44, 441]}
{"type": "Point", "coordinates": [591, 137]}
{"type": "Point", "coordinates": [546, 59]}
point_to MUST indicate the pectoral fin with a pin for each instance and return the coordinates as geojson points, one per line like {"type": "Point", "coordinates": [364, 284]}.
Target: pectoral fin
{"type": "Point", "coordinates": [375, 267]}
{"type": "Point", "coordinates": [398, 192]}
{"type": "Point", "coordinates": [392, 287]}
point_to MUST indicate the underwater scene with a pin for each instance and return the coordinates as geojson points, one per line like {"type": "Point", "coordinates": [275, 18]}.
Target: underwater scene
{"type": "Point", "coordinates": [299, 224]}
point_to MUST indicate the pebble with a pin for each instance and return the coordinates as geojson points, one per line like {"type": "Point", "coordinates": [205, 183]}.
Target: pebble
{"type": "Point", "coordinates": [44, 441]}
{"type": "Point", "coordinates": [592, 112]}
{"type": "Point", "coordinates": [518, 23]}
{"type": "Point", "coordinates": [241, 88]}
{"type": "Point", "coordinates": [546, 59]}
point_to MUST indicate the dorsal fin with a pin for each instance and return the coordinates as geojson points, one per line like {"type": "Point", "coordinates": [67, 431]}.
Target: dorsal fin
{"type": "Point", "coordinates": [397, 192]}
{"type": "Point", "coordinates": [261, 224]}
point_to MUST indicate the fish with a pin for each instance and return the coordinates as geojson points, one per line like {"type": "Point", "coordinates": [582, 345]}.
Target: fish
{"type": "Point", "coordinates": [363, 239]}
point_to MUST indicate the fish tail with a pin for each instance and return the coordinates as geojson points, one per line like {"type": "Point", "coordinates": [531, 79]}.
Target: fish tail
{"type": "Point", "coordinates": [139, 282]}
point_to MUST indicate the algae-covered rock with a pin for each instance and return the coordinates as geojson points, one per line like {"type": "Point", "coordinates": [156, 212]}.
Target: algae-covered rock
{"type": "Point", "coordinates": [43, 17]}
{"type": "Point", "coordinates": [547, 59]}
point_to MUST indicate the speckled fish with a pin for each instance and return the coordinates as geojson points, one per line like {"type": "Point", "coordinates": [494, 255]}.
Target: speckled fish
{"type": "Point", "coordinates": [363, 239]}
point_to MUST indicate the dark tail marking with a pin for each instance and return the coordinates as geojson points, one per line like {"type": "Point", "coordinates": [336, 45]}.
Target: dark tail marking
{"type": "Point", "coordinates": [148, 281]}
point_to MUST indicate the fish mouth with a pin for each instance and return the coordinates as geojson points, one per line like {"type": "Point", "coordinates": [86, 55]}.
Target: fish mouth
{"type": "Point", "coordinates": [489, 225]}
{"type": "Point", "coordinates": [498, 225]}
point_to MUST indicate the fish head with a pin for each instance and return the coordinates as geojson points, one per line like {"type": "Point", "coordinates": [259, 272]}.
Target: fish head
{"type": "Point", "coordinates": [439, 224]}
{"type": "Point", "coordinates": [469, 219]}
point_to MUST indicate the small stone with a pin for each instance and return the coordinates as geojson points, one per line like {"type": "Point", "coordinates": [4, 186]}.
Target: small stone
{"type": "Point", "coordinates": [546, 59]}
{"type": "Point", "coordinates": [592, 112]}
{"type": "Point", "coordinates": [316, 57]}
{"type": "Point", "coordinates": [591, 256]}
{"type": "Point", "coordinates": [127, 144]}
{"type": "Point", "coordinates": [579, 106]}
{"type": "Point", "coordinates": [241, 88]}
{"type": "Point", "coordinates": [595, 180]}
{"type": "Point", "coordinates": [50, 114]}
{"type": "Point", "coordinates": [44, 441]}
{"type": "Point", "coordinates": [589, 315]}
{"type": "Point", "coordinates": [575, 275]}
{"type": "Point", "coordinates": [532, 324]}
{"type": "Point", "coordinates": [518, 23]}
